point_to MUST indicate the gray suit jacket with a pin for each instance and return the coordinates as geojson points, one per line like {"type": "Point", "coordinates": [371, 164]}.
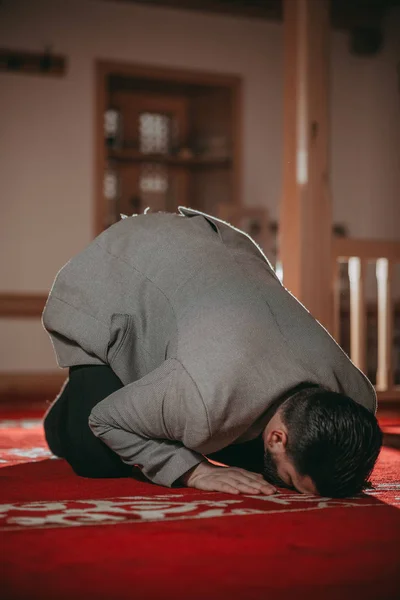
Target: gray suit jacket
{"type": "Point", "coordinates": [192, 318]}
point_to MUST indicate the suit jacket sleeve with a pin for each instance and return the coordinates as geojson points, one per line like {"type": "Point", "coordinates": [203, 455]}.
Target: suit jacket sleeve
{"type": "Point", "coordinates": [153, 422]}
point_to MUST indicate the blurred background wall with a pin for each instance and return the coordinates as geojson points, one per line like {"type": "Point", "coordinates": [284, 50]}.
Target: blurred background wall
{"type": "Point", "coordinates": [47, 131]}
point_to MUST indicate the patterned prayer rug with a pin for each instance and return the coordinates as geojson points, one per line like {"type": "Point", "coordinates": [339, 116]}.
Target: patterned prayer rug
{"type": "Point", "coordinates": [68, 537]}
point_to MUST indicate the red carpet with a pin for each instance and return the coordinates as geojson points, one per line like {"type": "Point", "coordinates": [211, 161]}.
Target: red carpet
{"type": "Point", "coordinates": [64, 537]}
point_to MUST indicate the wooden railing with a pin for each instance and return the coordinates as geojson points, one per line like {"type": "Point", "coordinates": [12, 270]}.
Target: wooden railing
{"type": "Point", "coordinates": [357, 254]}
{"type": "Point", "coordinates": [14, 305]}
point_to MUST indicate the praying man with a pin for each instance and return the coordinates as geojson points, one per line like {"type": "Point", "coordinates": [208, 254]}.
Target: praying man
{"type": "Point", "coordinates": [192, 365]}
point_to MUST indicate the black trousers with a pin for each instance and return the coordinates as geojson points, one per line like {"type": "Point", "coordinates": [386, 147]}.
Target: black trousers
{"type": "Point", "coordinates": [66, 426]}
{"type": "Point", "coordinates": [69, 436]}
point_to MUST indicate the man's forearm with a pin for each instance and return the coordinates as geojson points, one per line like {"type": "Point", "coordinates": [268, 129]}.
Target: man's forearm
{"type": "Point", "coordinates": [140, 424]}
{"type": "Point", "coordinates": [160, 460]}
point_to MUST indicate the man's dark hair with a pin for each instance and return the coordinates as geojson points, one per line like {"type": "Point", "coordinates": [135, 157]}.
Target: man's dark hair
{"type": "Point", "coordinates": [332, 439]}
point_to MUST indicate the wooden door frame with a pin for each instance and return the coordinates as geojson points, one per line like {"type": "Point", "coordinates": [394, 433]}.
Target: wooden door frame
{"type": "Point", "coordinates": [104, 69]}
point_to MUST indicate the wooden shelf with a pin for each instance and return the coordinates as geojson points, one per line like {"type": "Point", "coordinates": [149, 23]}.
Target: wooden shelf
{"type": "Point", "coordinates": [128, 155]}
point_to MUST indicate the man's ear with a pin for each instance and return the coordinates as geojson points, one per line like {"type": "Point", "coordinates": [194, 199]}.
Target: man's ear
{"type": "Point", "coordinates": [277, 440]}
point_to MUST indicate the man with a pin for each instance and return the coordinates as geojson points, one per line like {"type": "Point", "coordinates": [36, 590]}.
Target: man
{"type": "Point", "coordinates": [185, 348]}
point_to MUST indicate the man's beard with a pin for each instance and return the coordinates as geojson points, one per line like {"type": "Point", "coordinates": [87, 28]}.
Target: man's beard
{"type": "Point", "coordinates": [270, 471]}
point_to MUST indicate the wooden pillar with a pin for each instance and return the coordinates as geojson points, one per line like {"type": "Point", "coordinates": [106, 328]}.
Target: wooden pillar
{"type": "Point", "coordinates": [305, 215]}
{"type": "Point", "coordinates": [384, 375]}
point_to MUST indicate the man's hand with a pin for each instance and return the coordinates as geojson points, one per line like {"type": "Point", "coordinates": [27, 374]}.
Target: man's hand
{"type": "Point", "coordinates": [231, 480]}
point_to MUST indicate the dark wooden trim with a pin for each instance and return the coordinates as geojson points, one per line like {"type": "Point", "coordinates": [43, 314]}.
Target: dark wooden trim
{"type": "Point", "coordinates": [371, 309]}
{"type": "Point", "coordinates": [99, 201]}
{"type": "Point", "coordinates": [267, 10]}
{"type": "Point", "coordinates": [17, 305]}
{"type": "Point", "coordinates": [148, 71]}
{"type": "Point", "coordinates": [237, 141]}
{"type": "Point", "coordinates": [366, 249]}
{"type": "Point", "coordinates": [131, 155]}
{"type": "Point", "coordinates": [22, 385]}
{"type": "Point", "coordinates": [391, 440]}
{"type": "Point", "coordinates": [386, 398]}
{"type": "Point", "coordinates": [343, 15]}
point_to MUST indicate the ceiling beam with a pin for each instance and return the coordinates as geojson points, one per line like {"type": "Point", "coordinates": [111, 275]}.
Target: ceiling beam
{"type": "Point", "coordinates": [344, 14]}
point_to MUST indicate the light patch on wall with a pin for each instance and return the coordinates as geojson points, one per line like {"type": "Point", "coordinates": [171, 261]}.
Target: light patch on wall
{"type": "Point", "coordinates": [301, 167]}
{"type": "Point", "coordinates": [28, 347]}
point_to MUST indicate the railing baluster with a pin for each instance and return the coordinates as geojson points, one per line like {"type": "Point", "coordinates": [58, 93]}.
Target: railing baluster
{"type": "Point", "coordinates": [386, 254]}
{"type": "Point", "coordinates": [357, 312]}
{"type": "Point", "coordinates": [336, 300]}
{"type": "Point", "coordinates": [384, 374]}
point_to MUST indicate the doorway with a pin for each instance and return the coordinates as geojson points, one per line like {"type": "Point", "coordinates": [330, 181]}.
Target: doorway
{"type": "Point", "coordinates": [165, 138]}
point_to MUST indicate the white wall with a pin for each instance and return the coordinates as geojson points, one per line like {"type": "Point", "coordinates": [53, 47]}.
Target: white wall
{"type": "Point", "coordinates": [365, 123]}
{"type": "Point", "coordinates": [46, 128]}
